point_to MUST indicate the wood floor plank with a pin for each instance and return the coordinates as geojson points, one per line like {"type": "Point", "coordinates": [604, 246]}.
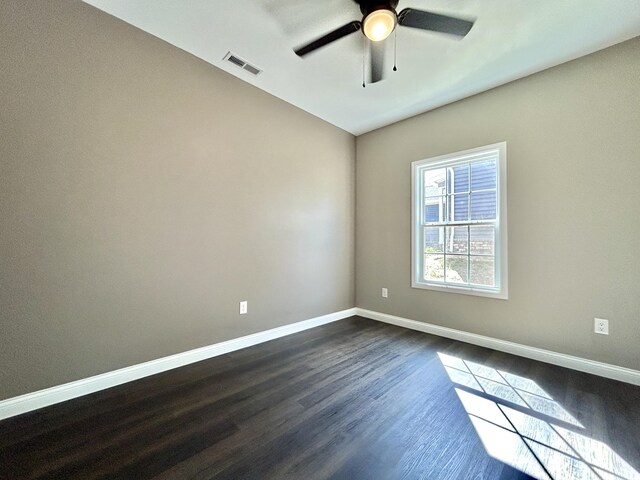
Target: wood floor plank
{"type": "Point", "coordinates": [354, 399]}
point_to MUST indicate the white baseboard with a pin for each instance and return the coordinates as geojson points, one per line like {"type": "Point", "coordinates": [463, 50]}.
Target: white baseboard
{"type": "Point", "coordinates": [614, 372]}
{"type": "Point", "coordinates": [49, 396]}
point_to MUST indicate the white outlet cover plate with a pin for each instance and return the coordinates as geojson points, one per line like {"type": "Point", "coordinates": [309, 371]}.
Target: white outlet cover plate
{"type": "Point", "coordinates": [601, 326]}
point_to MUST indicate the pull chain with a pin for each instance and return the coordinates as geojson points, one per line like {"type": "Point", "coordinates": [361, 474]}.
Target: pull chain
{"type": "Point", "coordinates": [364, 54]}
{"type": "Point", "coordinates": [395, 48]}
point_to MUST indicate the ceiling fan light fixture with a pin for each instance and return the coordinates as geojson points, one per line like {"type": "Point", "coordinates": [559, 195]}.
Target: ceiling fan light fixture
{"type": "Point", "coordinates": [379, 24]}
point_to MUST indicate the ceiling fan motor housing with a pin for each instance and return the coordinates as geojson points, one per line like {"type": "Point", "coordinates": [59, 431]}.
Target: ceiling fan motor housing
{"type": "Point", "coordinates": [368, 6]}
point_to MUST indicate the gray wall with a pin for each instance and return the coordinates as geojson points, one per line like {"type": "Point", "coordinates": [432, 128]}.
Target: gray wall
{"type": "Point", "coordinates": [144, 193]}
{"type": "Point", "coordinates": [573, 148]}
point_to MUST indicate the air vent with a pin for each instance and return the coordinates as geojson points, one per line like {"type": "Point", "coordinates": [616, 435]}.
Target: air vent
{"type": "Point", "coordinates": [236, 60]}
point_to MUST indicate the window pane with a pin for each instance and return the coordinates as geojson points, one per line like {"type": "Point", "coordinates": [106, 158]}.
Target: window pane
{"type": "Point", "coordinates": [483, 175]}
{"type": "Point", "coordinates": [458, 179]}
{"type": "Point", "coordinates": [457, 239]}
{"type": "Point", "coordinates": [434, 182]}
{"type": "Point", "coordinates": [459, 208]}
{"type": "Point", "coordinates": [483, 206]}
{"type": "Point", "coordinates": [434, 268]}
{"type": "Point", "coordinates": [433, 239]}
{"type": "Point", "coordinates": [434, 209]}
{"type": "Point", "coordinates": [457, 268]}
{"type": "Point", "coordinates": [483, 271]}
{"type": "Point", "coordinates": [482, 240]}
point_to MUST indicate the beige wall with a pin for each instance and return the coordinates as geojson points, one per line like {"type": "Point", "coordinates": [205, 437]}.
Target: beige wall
{"type": "Point", "coordinates": [573, 142]}
{"type": "Point", "coordinates": [144, 193]}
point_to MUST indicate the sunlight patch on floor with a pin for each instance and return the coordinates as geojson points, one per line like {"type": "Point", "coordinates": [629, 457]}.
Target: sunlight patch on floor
{"type": "Point", "coordinates": [522, 426]}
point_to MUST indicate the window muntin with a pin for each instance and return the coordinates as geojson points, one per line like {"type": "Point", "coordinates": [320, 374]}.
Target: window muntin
{"type": "Point", "coordinates": [459, 222]}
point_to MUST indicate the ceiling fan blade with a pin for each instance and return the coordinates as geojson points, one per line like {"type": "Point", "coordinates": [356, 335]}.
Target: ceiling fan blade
{"type": "Point", "coordinates": [410, 17]}
{"type": "Point", "coordinates": [376, 58]}
{"type": "Point", "coordinates": [337, 34]}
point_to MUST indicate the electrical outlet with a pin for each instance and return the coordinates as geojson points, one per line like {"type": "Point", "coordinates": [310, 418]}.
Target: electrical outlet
{"type": "Point", "coordinates": [243, 307]}
{"type": "Point", "coordinates": [385, 293]}
{"type": "Point", "coordinates": [601, 326]}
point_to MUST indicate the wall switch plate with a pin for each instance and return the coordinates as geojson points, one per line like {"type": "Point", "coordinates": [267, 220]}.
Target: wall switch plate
{"type": "Point", "coordinates": [243, 307]}
{"type": "Point", "coordinates": [385, 293]}
{"type": "Point", "coordinates": [601, 326]}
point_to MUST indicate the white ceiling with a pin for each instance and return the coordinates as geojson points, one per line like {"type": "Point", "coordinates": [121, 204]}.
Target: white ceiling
{"type": "Point", "coordinates": [510, 39]}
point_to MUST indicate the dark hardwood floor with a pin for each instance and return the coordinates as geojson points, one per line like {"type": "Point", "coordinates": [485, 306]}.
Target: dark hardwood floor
{"type": "Point", "coordinates": [355, 399]}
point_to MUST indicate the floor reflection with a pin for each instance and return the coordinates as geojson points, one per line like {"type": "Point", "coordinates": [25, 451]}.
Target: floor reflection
{"type": "Point", "coordinates": [511, 429]}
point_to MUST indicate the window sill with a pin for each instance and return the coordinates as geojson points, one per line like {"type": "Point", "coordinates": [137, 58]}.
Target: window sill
{"type": "Point", "coordinates": [501, 294]}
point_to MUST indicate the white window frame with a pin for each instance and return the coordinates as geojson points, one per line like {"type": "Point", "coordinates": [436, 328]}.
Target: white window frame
{"type": "Point", "coordinates": [417, 214]}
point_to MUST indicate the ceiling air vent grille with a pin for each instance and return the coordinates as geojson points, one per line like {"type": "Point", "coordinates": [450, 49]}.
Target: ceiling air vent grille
{"type": "Point", "coordinates": [236, 60]}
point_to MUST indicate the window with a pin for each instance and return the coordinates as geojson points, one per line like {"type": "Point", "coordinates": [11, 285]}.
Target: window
{"type": "Point", "coordinates": [459, 222]}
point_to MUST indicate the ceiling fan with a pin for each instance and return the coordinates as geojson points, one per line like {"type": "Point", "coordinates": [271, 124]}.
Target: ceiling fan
{"type": "Point", "coordinates": [379, 19]}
